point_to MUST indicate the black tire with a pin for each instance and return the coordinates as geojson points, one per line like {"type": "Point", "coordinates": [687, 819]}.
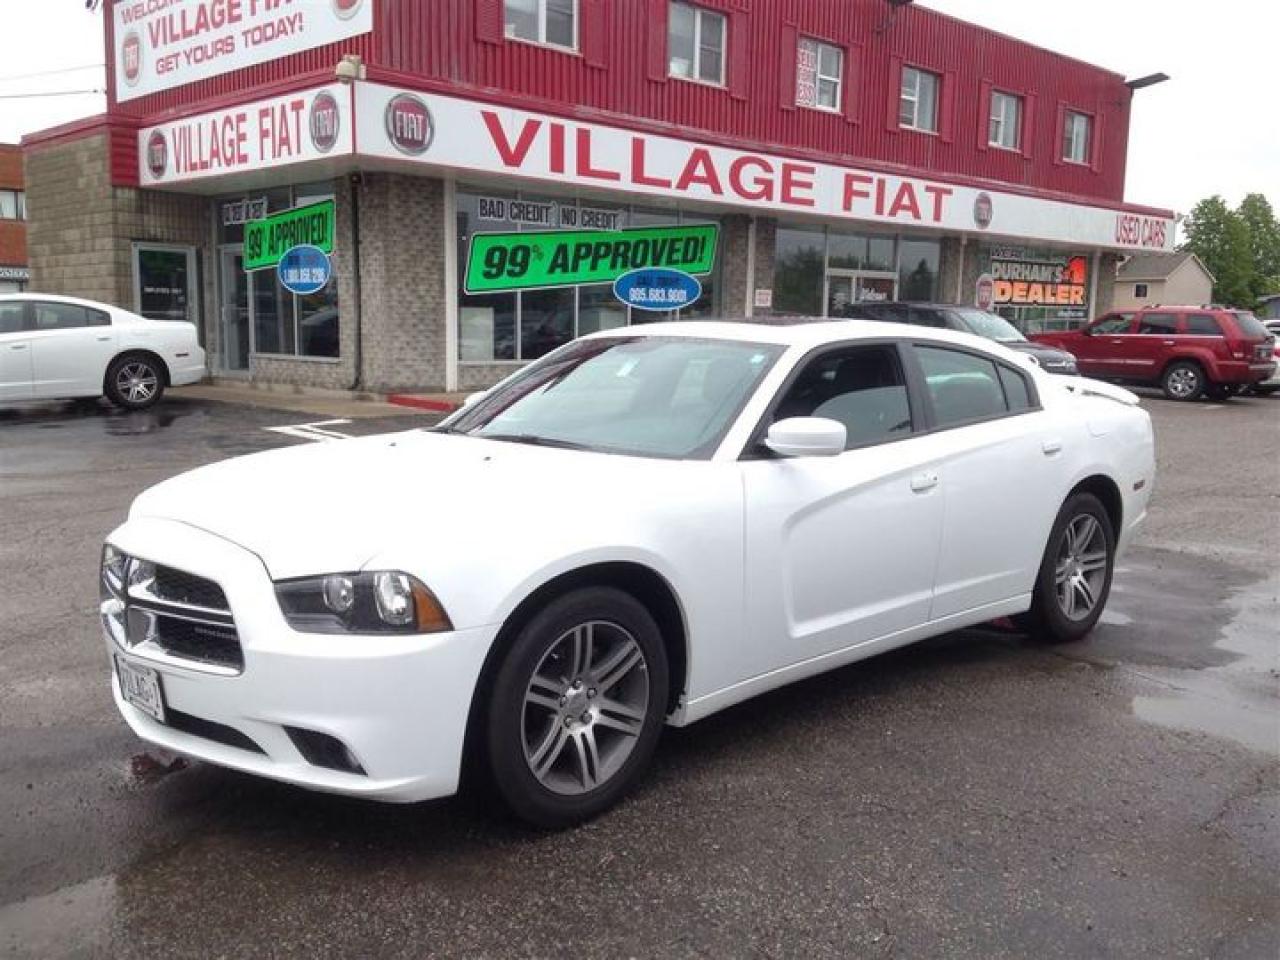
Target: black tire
{"type": "Point", "coordinates": [134, 381]}
{"type": "Point", "coordinates": [1263, 390]}
{"type": "Point", "coordinates": [1183, 380]}
{"type": "Point", "coordinates": [510, 727]}
{"type": "Point", "coordinates": [1047, 621]}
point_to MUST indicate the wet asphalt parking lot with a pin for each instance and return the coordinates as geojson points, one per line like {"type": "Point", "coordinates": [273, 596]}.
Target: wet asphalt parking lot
{"type": "Point", "coordinates": [973, 796]}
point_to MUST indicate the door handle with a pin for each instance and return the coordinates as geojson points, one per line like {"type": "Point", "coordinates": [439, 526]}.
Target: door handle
{"type": "Point", "coordinates": [1051, 447]}
{"type": "Point", "coordinates": [18, 346]}
{"type": "Point", "coordinates": [922, 482]}
{"type": "Point", "coordinates": [1168, 343]}
{"type": "Point", "coordinates": [104, 339]}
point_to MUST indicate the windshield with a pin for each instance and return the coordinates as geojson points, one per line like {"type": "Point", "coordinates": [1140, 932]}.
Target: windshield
{"type": "Point", "coordinates": [643, 396]}
{"type": "Point", "coordinates": [988, 325]}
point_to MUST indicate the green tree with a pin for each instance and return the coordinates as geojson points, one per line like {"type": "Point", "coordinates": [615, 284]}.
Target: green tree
{"type": "Point", "coordinates": [1264, 241]}
{"type": "Point", "coordinates": [1220, 238]}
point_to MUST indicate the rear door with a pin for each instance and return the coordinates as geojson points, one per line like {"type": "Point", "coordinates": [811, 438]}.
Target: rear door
{"type": "Point", "coordinates": [1154, 340]}
{"type": "Point", "coordinates": [71, 346]}
{"type": "Point", "coordinates": [15, 351]}
{"type": "Point", "coordinates": [1000, 465]}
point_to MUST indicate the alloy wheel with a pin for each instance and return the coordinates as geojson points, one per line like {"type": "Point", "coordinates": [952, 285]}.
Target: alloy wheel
{"type": "Point", "coordinates": [136, 382]}
{"type": "Point", "coordinates": [584, 707]}
{"type": "Point", "coordinates": [1183, 382]}
{"type": "Point", "coordinates": [1081, 569]}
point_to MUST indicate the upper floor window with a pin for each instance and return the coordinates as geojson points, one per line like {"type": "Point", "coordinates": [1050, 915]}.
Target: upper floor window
{"type": "Point", "coordinates": [696, 41]}
{"type": "Point", "coordinates": [819, 68]}
{"type": "Point", "coordinates": [553, 22]}
{"type": "Point", "coordinates": [13, 205]}
{"type": "Point", "coordinates": [1076, 134]}
{"type": "Point", "coordinates": [918, 103]}
{"type": "Point", "coordinates": [1140, 290]}
{"type": "Point", "coordinates": [1006, 121]}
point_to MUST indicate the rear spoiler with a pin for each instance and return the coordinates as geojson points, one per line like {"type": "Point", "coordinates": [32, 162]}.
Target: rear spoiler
{"type": "Point", "coordinates": [1084, 387]}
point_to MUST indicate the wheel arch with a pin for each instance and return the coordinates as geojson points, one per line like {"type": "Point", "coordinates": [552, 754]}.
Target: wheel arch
{"type": "Point", "coordinates": [641, 581]}
{"type": "Point", "coordinates": [1108, 492]}
{"type": "Point", "coordinates": [1205, 364]}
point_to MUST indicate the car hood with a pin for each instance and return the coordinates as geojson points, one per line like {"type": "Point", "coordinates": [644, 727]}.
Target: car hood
{"type": "Point", "coordinates": [1041, 351]}
{"type": "Point", "coordinates": [336, 506]}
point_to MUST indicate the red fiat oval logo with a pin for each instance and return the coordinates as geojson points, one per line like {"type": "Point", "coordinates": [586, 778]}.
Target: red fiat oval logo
{"type": "Point", "coordinates": [409, 124]}
{"type": "Point", "coordinates": [131, 57]}
{"type": "Point", "coordinates": [346, 9]}
{"type": "Point", "coordinates": [157, 154]}
{"type": "Point", "coordinates": [325, 123]}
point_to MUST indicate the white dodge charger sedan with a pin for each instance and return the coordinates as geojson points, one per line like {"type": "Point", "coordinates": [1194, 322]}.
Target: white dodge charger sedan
{"type": "Point", "coordinates": [644, 527]}
{"type": "Point", "coordinates": [54, 348]}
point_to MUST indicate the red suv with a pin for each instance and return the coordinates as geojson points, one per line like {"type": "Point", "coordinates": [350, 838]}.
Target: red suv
{"type": "Point", "coordinates": [1188, 351]}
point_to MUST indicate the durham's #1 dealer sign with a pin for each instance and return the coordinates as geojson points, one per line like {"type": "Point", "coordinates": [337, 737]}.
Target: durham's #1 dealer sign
{"type": "Point", "coordinates": [161, 44]}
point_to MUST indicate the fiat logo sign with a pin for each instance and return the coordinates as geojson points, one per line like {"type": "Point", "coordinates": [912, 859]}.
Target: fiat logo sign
{"type": "Point", "coordinates": [346, 9]}
{"type": "Point", "coordinates": [157, 154]}
{"type": "Point", "coordinates": [325, 123]}
{"type": "Point", "coordinates": [409, 124]}
{"type": "Point", "coordinates": [131, 57]}
{"type": "Point", "coordinates": [983, 211]}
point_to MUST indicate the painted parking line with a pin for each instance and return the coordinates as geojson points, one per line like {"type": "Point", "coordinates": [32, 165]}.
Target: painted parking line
{"type": "Point", "coordinates": [316, 432]}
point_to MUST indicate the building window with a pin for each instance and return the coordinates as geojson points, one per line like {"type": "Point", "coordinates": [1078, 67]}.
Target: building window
{"type": "Point", "coordinates": [918, 103]}
{"type": "Point", "coordinates": [1006, 121]}
{"type": "Point", "coordinates": [1140, 291]}
{"type": "Point", "coordinates": [13, 205]}
{"type": "Point", "coordinates": [819, 68]}
{"type": "Point", "coordinates": [553, 22]}
{"type": "Point", "coordinates": [1076, 136]}
{"type": "Point", "coordinates": [695, 39]}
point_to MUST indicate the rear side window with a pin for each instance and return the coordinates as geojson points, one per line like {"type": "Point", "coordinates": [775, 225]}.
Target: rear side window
{"type": "Point", "coordinates": [1250, 326]}
{"type": "Point", "coordinates": [963, 386]}
{"type": "Point", "coordinates": [1158, 324]}
{"type": "Point", "coordinates": [11, 317]}
{"type": "Point", "coordinates": [863, 387]}
{"type": "Point", "coordinates": [1016, 392]}
{"type": "Point", "coordinates": [66, 316]}
{"type": "Point", "coordinates": [1203, 324]}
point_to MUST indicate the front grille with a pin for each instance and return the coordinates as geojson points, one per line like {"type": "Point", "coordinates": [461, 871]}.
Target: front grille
{"type": "Point", "coordinates": [179, 586]}
{"type": "Point", "coordinates": [214, 643]}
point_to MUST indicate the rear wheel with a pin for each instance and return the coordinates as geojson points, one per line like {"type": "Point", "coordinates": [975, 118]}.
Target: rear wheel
{"type": "Point", "coordinates": [1183, 380]}
{"type": "Point", "coordinates": [1075, 574]}
{"type": "Point", "coordinates": [576, 708]}
{"type": "Point", "coordinates": [134, 381]}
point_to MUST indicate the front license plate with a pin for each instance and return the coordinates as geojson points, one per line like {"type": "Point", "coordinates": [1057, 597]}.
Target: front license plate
{"type": "Point", "coordinates": [141, 687]}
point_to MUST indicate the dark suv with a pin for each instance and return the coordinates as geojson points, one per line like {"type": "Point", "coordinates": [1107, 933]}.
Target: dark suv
{"type": "Point", "coordinates": [1188, 351]}
{"type": "Point", "coordinates": [966, 320]}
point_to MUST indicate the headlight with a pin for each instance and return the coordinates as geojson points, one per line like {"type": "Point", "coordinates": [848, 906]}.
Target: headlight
{"type": "Point", "coordinates": [111, 578]}
{"type": "Point", "coordinates": [384, 601]}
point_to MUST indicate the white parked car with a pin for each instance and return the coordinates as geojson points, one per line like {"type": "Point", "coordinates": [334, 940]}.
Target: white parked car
{"type": "Point", "coordinates": [646, 526]}
{"type": "Point", "coordinates": [59, 347]}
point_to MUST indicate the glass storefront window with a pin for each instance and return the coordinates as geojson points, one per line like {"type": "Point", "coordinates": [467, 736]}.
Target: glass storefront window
{"type": "Point", "coordinates": [799, 268]}
{"type": "Point", "coordinates": [918, 270]}
{"type": "Point", "coordinates": [527, 324]}
{"type": "Point", "coordinates": [854, 251]}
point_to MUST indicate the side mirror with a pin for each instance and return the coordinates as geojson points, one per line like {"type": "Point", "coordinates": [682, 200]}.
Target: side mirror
{"type": "Point", "coordinates": [471, 398]}
{"type": "Point", "coordinates": [807, 437]}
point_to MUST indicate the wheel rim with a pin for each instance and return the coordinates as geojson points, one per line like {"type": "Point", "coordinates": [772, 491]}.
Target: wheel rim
{"type": "Point", "coordinates": [1183, 382]}
{"type": "Point", "coordinates": [137, 382]}
{"type": "Point", "coordinates": [584, 707]}
{"type": "Point", "coordinates": [1081, 569]}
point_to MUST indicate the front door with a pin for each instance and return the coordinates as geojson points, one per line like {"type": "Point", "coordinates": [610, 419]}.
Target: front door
{"type": "Point", "coordinates": [1102, 349]}
{"type": "Point", "coordinates": [236, 310]}
{"type": "Point", "coordinates": [165, 282]}
{"type": "Point", "coordinates": [840, 551]}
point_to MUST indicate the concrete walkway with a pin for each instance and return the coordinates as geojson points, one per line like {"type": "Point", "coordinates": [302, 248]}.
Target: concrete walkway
{"type": "Point", "coordinates": [323, 404]}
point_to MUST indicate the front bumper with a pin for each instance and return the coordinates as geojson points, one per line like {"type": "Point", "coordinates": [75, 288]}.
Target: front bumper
{"type": "Point", "coordinates": [398, 703]}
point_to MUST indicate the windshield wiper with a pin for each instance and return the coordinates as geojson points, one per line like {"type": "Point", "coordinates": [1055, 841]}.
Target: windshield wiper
{"type": "Point", "coordinates": [532, 440]}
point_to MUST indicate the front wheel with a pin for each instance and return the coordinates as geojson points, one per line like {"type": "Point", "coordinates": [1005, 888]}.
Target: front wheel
{"type": "Point", "coordinates": [576, 708]}
{"type": "Point", "coordinates": [1183, 381]}
{"type": "Point", "coordinates": [134, 382]}
{"type": "Point", "coordinates": [1075, 575]}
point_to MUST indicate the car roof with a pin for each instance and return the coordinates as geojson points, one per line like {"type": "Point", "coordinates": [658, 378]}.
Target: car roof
{"type": "Point", "coordinates": [57, 298]}
{"type": "Point", "coordinates": [801, 332]}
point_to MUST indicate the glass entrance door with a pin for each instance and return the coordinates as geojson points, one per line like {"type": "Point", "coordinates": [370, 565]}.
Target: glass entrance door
{"type": "Point", "coordinates": [164, 280]}
{"type": "Point", "coordinates": [236, 311]}
{"type": "Point", "coordinates": [847, 287]}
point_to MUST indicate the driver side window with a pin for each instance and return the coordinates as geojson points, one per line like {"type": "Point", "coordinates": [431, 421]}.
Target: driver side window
{"type": "Point", "coordinates": [1114, 324]}
{"type": "Point", "coordinates": [863, 387]}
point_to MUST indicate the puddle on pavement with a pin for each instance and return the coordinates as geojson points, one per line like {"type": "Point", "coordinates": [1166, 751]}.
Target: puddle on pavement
{"type": "Point", "coordinates": [1238, 699]}
{"type": "Point", "coordinates": [73, 921]}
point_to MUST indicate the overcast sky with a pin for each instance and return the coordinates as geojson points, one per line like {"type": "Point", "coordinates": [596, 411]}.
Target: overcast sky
{"type": "Point", "coordinates": [1214, 128]}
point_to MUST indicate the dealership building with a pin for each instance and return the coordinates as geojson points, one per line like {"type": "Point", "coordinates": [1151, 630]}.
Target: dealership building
{"type": "Point", "coordinates": [388, 194]}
